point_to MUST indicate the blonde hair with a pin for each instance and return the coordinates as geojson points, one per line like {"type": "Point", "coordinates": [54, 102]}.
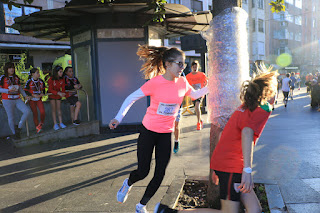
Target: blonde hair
{"type": "Point", "coordinates": [155, 59]}
{"type": "Point", "coordinates": [260, 89]}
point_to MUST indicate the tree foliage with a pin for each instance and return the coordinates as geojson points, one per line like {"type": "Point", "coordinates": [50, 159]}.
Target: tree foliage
{"type": "Point", "coordinates": [277, 6]}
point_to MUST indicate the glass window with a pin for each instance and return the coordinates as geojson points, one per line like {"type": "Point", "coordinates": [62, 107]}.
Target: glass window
{"type": "Point", "coordinates": [173, 1]}
{"type": "Point", "coordinates": [29, 10]}
{"type": "Point", "coordinates": [245, 1]}
{"type": "Point", "coordinates": [253, 3]}
{"type": "Point", "coordinates": [261, 25]}
{"type": "Point", "coordinates": [298, 3]}
{"type": "Point", "coordinates": [288, 17]}
{"type": "Point", "coordinates": [253, 25]}
{"type": "Point", "coordinates": [298, 20]}
{"type": "Point", "coordinates": [261, 49]}
{"type": "Point", "coordinates": [260, 4]}
{"type": "Point", "coordinates": [291, 35]}
{"type": "Point", "coordinates": [196, 6]}
{"type": "Point", "coordinates": [298, 36]}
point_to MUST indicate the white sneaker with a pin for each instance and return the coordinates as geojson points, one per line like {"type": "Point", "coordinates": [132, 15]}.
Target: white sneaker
{"type": "Point", "coordinates": [141, 208]}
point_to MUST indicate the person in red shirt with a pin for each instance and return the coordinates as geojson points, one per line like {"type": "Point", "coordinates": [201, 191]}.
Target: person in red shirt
{"type": "Point", "coordinates": [57, 91]}
{"type": "Point", "coordinates": [10, 89]}
{"type": "Point", "coordinates": [197, 80]}
{"type": "Point", "coordinates": [72, 85]}
{"type": "Point", "coordinates": [233, 155]}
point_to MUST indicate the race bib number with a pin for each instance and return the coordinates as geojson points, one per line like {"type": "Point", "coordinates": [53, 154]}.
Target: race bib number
{"type": "Point", "coordinates": [167, 109]}
{"type": "Point", "coordinates": [13, 96]}
{"type": "Point", "coordinates": [196, 86]}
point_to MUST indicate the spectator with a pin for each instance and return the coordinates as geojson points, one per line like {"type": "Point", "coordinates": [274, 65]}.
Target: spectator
{"type": "Point", "coordinates": [72, 85]}
{"type": "Point", "coordinates": [35, 87]}
{"type": "Point", "coordinates": [57, 91]}
{"type": "Point", "coordinates": [10, 88]}
{"type": "Point", "coordinates": [197, 80]}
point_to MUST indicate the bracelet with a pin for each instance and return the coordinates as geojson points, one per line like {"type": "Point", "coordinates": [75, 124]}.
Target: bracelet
{"type": "Point", "coordinates": [247, 170]}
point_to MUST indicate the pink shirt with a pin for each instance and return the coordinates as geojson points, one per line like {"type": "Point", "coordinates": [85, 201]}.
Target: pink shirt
{"type": "Point", "coordinates": [166, 98]}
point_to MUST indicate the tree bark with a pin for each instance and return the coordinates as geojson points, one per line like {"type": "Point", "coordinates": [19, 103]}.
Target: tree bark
{"type": "Point", "coordinates": [215, 131]}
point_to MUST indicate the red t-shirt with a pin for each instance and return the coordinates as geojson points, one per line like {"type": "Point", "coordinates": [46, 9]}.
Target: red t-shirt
{"type": "Point", "coordinates": [56, 86]}
{"type": "Point", "coordinates": [227, 156]}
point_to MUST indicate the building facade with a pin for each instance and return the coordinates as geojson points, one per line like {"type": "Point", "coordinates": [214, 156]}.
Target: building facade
{"type": "Point", "coordinates": [40, 53]}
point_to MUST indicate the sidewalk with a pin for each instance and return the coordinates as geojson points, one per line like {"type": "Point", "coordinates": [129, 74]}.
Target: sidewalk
{"type": "Point", "coordinates": [84, 174]}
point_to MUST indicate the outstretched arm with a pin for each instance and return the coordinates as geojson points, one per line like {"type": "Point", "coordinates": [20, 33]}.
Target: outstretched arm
{"type": "Point", "coordinates": [247, 151]}
{"type": "Point", "coordinates": [195, 94]}
{"type": "Point", "coordinates": [133, 97]}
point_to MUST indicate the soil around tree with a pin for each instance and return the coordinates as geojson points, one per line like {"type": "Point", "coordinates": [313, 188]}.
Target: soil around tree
{"type": "Point", "coordinates": [194, 195]}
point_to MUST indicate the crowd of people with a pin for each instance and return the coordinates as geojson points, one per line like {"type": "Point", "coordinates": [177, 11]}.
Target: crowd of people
{"type": "Point", "coordinates": [62, 83]}
{"type": "Point", "coordinates": [232, 158]}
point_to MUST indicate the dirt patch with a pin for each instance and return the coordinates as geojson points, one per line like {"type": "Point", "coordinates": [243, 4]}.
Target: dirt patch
{"type": "Point", "coordinates": [194, 195]}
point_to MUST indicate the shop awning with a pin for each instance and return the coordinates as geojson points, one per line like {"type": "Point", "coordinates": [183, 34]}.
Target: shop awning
{"type": "Point", "coordinates": [55, 24]}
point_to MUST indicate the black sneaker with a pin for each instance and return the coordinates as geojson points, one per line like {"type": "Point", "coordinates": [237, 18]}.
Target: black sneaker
{"type": "Point", "coordinates": [160, 208]}
{"type": "Point", "coordinates": [17, 136]}
{"type": "Point", "coordinates": [76, 122]}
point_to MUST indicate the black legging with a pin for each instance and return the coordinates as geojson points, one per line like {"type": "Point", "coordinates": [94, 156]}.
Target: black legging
{"type": "Point", "coordinates": [146, 142]}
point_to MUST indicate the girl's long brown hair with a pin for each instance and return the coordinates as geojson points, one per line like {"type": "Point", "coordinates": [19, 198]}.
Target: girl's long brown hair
{"type": "Point", "coordinates": [260, 89]}
{"type": "Point", "coordinates": [155, 59]}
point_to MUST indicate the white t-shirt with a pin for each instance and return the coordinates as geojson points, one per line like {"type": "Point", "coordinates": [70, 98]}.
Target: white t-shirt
{"type": "Point", "coordinates": [286, 84]}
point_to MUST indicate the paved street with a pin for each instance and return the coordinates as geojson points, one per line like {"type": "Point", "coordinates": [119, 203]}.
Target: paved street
{"type": "Point", "coordinates": [84, 174]}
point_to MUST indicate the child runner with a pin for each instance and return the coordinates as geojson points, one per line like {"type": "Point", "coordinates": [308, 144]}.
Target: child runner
{"type": "Point", "coordinates": [166, 88]}
{"type": "Point", "coordinates": [292, 84]}
{"type": "Point", "coordinates": [197, 80]}
{"type": "Point", "coordinates": [35, 87]}
{"type": "Point", "coordinates": [11, 89]}
{"type": "Point", "coordinates": [57, 89]}
{"type": "Point", "coordinates": [72, 83]}
{"type": "Point", "coordinates": [286, 88]}
{"type": "Point", "coordinates": [232, 157]}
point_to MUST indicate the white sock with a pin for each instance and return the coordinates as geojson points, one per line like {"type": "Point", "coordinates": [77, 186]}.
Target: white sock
{"type": "Point", "coordinates": [176, 141]}
{"type": "Point", "coordinates": [140, 205]}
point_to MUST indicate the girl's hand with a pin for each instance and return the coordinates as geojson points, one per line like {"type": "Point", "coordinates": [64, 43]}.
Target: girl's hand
{"type": "Point", "coordinates": [61, 94]}
{"type": "Point", "coordinates": [113, 124]}
{"type": "Point", "coordinates": [215, 178]}
{"type": "Point", "coordinates": [246, 185]}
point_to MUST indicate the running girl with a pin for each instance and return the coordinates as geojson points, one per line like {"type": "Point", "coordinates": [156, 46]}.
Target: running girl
{"type": "Point", "coordinates": [233, 155]}
{"type": "Point", "coordinates": [57, 89]}
{"type": "Point", "coordinates": [166, 88]}
{"type": "Point", "coordinates": [197, 80]}
{"type": "Point", "coordinates": [11, 89]}
{"type": "Point", "coordinates": [72, 83]}
{"type": "Point", "coordinates": [35, 87]}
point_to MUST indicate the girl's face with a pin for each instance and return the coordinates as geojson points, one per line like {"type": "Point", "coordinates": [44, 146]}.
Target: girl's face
{"type": "Point", "coordinates": [69, 73]}
{"type": "Point", "coordinates": [36, 75]}
{"type": "Point", "coordinates": [10, 71]}
{"type": "Point", "coordinates": [195, 68]}
{"type": "Point", "coordinates": [176, 67]}
{"type": "Point", "coordinates": [60, 73]}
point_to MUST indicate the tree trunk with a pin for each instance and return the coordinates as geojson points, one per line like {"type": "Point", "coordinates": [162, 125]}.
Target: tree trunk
{"type": "Point", "coordinates": [216, 128]}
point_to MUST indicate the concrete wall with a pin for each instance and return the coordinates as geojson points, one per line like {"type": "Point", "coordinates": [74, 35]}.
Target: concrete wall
{"type": "Point", "coordinates": [5, 130]}
{"type": "Point", "coordinates": [45, 56]}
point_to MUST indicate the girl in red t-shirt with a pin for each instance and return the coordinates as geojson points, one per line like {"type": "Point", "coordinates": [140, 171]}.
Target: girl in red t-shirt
{"type": "Point", "coordinates": [232, 157]}
{"type": "Point", "coordinates": [166, 88]}
{"type": "Point", "coordinates": [57, 91]}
